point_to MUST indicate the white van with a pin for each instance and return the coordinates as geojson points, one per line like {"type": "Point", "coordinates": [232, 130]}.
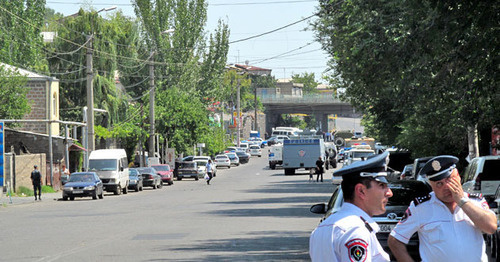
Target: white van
{"type": "Point", "coordinates": [111, 165]}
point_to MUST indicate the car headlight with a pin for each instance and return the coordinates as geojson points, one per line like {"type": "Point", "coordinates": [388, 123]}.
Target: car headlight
{"type": "Point", "coordinates": [68, 189]}
{"type": "Point", "coordinates": [89, 188]}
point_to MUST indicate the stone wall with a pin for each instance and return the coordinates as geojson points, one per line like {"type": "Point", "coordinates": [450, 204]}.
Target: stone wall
{"type": "Point", "coordinates": [23, 167]}
{"type": "Point", "coordinates": [30, 143]}
{"type": "Point", "coordinates": [37, 97]}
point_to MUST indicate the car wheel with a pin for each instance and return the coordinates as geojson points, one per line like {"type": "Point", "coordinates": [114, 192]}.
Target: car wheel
{"type": "Point", "coordinates": [125, 190]}
{"type": "Point", "coordinates": [196, 178]}
{"type": "Point", "coordinates": [94, 195]}
{"type": "Point", "coordinates": [65, 198]}
{"type": "Point", "coordinates": [71, 198]}
{"type": "Point", "coordinates": [179, 178]}
{"type": "Point", "coordinates": [118, 190]}
{"type": "Point", "coordinates": [229, 167]}
{"type": "Point", "coordinates": [136, 189]}
{"type": "Point", "coordinates": [238, 164]}
{"type": "Point", "coordinates": [141, 188]}
{"type": "Point", "coordinates": [171, 183]}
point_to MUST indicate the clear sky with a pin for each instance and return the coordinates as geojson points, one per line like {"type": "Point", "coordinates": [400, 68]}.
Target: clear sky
{"type": "Point", "coordinates": [291, 50]}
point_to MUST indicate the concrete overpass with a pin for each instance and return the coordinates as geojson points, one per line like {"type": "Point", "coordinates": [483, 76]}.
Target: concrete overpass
{"type": "Point", "coordinates": [319, 105]}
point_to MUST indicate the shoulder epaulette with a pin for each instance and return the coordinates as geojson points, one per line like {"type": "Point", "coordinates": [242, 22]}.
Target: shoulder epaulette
{"type": "Point", "coordinates": [421, 199]}
{"type": "Point", "coordinates": [476, 195]}
{"type": "Point", "coordinates": [367, 225]}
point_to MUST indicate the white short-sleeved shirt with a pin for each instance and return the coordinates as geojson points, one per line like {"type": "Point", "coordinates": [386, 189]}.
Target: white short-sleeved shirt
{"type": "Point", "coordinates": [443, 236]}
{"type": "Point", "coordinates": [345, 236]}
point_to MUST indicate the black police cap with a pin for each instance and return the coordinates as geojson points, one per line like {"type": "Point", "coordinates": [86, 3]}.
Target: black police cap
{"type": "Point", "coordinates": [439, 167]}
{"type": "Point", "coordinates": [374, 167]}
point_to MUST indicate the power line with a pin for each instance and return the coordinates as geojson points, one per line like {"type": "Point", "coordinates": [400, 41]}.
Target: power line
{"type": "Point", "coordinates": [272, 31]}
{"type": "Point", "coordinates": [276, 56]}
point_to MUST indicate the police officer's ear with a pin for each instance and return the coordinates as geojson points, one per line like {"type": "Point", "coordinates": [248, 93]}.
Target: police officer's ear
{"type": "Point", "coordinates": [360, 190]}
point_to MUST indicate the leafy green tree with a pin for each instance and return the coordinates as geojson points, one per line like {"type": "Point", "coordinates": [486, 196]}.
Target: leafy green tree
{"type": "Point", "coordinates": [13, 101]}
{"type": "Point", "coordinates": [308, 80]}
{"type": "Point", "coordinates": [21, 43]}
{"type": "Point", "coordinates": [419, 70]}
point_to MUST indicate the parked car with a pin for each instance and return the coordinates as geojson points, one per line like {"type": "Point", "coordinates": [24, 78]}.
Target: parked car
{"type": "Point", "coordinates": [150, 177]}
{"type": "Point", "coordinates": [404, 191]}
{"type": "Point", "coordinates": [233, 158]}
{"type": "Point", "coordinates": [136, 179]}
{"type": "Point", "coordinates": [271, 141]}
{"type": "Point", "coordinates": [243, 157]}
{"type": "Point", "coordinates": [245, 146]}
{"type": "Point", "coordinates": [202, 167]}
{"type": "Point", "coordinates": [214, 169]}
{"type": "Point", "coordinates": [255, 150]}
{"type": "Point", "coordinates": [166, 173]}
{"type": "Point", "coordinates": [482, 175]}
{"type": "Point", "coordinates": [230, 149]}
{"type": "Point", "coordinates": [407, 172]}
{"type": "Point", "coordinates": [83, 184]}
{"type": "Point", "coordinates": [222, 160]}
{"type": "Point", "coordinates": [417, 165]}
{"type": "Point", "coordinates": [188, 169]}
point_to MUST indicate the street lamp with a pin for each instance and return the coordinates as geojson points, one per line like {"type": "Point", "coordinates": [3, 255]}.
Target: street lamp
{"type": "Point", "coordinates": [90, 86]}
{"type": "Point", "coordinates": [152, 100]}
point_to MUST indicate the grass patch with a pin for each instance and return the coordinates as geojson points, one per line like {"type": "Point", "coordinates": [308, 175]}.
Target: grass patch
{"type": "Point", "coordinates": [47, 189]}
{"type": "Point", "coordinates": [25, 191]}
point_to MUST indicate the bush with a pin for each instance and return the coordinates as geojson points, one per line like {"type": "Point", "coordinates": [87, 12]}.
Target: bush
{"type": "Point", "coordinates": [47, 189]}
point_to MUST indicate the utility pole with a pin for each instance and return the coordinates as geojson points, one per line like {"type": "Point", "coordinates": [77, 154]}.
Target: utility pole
{"type": "Point", "coordinates": [238, 125]}
{"type": "Point", "coordinates": [90, 97]}
{"type": "Point", "coordinates": [255, 116]}
{"type": "Point", "coordinates": [152, 107]}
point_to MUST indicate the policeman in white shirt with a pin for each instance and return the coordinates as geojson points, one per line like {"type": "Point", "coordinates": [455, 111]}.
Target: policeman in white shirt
{"type": "Point", "coordinates": [449, 222]}
{"type": "Point", "coordinates": [349, 234]}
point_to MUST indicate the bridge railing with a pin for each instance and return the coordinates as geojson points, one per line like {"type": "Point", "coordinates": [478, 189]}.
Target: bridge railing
{"type": "Point", "coordinates": [308, 98]}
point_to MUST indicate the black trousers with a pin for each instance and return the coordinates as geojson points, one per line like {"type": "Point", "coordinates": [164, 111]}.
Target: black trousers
{"type": "Point", "coordinates": [39, 188]}
{"type": "Point", "coordinates": [209, 177]}
{"type": "Point", "coordinates": [319, 174]}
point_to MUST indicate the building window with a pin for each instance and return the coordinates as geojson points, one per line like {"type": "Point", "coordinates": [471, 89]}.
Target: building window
{"type": "Point", "coordinates": [278, 90]}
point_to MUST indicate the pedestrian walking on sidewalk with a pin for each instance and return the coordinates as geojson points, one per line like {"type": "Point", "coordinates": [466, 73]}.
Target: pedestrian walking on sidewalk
{"type": "Point", "coordinates": [36, 179]}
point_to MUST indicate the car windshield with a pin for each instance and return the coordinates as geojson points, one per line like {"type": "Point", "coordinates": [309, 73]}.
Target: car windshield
{"type": "Point", "coordinates": [162, 168]}
{"type": "Point", "coordinates": [241, 153]}
{"type": "Point", "coordinates": [188, 165]}
{"type": "Point", "coordinates": [201, 162]}
{"type": "Point", "coordinates": [221, 157]}
{"type": "Point", "coordinates": [133, 172]}
{"type": "Point", "coordinates": [362, 154]}
{"type": "Point", "coordinates": [145, 170]}
{"type": "Point", "coordinates": [403, 194]}
{"type": "Point", "coordinates": [254, 147]}
{"type": "Point", "coordinates": [81, 178]}
{"type": "Point", "coordinates": [102, 165]}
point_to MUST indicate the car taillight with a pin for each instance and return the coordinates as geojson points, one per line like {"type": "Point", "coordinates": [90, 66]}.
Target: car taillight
{"type": "Point", "coordinates": [150, 176]}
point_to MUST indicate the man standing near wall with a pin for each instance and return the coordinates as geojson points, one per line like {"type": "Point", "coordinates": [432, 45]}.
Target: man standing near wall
{"type": "Point", "coordinates": [36, 178]}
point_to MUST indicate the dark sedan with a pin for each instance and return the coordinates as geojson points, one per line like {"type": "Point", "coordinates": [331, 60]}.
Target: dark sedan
{"type": "Point", "coordinates": [404, 191]}
{"type": "Point", "coordinates": [150, 177]}
{"type": "Point", "coordinates": [83, 184]}
{"type": "Point", "coordinates": [244, 157]}
{"type": "Point", "coordinates": [135, 180]}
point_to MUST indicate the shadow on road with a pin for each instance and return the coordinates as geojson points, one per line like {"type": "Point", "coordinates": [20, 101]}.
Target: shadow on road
{"type": "Point", "coordinates": [261, 246]}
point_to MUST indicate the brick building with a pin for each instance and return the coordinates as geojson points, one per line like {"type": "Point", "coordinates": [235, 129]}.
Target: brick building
{"type": "Point", "coordinates": [43, 96]}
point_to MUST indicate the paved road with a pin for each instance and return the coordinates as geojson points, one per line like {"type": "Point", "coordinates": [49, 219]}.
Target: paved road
{"type": "Point", "coordinates": [248, 213]}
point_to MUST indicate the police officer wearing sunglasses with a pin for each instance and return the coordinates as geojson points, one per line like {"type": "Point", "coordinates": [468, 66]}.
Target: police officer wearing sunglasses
{"type": "Point", "coordinates": [449, 222]}
{"type": "Point", "coordinates": [349, 234]}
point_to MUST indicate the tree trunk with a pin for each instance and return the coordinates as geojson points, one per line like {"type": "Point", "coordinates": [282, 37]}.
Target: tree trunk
{"type": "Point", "coordinates": [472, 139]}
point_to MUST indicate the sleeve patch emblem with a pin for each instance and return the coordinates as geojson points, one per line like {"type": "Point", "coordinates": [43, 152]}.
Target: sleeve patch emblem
{"type": "Point", "coordinates": [357, 249]}
{"type": "Point", "coordinates": [405, 216]}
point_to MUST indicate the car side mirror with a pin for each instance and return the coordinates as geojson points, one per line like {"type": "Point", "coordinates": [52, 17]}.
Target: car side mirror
{"type": "Point", "coordinates": [318, 209]}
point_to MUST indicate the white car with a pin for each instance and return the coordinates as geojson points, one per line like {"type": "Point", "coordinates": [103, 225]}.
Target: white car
{"type": "Point", "coordinates": [206, 158]}
{"type": "Point", "coordinates": [222, 160]}
{"type": "Point", "coordinates": [255, 150]}
{"type": "Point", "coordinates": [202, 167]}
{"type": "Point", "coordinates": [233, 157]}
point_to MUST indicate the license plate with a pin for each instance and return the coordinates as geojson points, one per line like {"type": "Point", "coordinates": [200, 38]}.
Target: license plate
{"type": "Point", "coordinates": [77, 191]}
{"type": "Point", "coordinates": [386, 228]}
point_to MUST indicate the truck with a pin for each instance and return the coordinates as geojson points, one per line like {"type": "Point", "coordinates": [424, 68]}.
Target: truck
{"type": "Point", "coordinates": [275, 156]}
{"type": "Point", "coordinates": [302, 152]}
{"type": "Point", "coordinates": [111, 165]}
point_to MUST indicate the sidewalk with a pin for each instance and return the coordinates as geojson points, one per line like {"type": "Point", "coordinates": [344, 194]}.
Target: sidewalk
{"type": "Point", "coordinates": [6, 201]}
